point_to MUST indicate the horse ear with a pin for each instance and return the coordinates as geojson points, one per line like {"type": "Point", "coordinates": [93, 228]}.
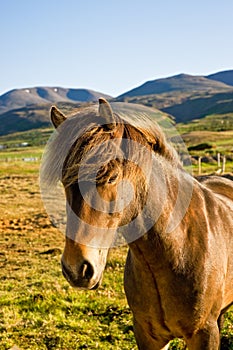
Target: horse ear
{"type": "Point", "coordinates": [105, 111]}
{"type": "Point", "coordinates": [57, 117]}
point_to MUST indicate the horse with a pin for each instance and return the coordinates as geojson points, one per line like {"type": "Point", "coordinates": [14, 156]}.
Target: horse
{"type": "Point", "coordinates": [179, 269]}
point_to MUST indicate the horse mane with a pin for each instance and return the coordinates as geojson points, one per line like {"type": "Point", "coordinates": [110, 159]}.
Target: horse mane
{"type": "Point", "coordinates": [74, 143]}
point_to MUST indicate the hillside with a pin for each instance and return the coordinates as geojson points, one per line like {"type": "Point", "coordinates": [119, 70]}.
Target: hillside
{"type": "Point", "coordinates": [186, 106]}
{"type": "Point", "coordinates": [181, 83]}
{"type": "Point", "coordinates": [184, 97]}
{"type": "Point", "coordinates": [20, 98]}
{"type": "Point", "coordinates": [225, 77]}
{"type": "Point", "coordinates": [200, 106]}
{"type": "Point", "coordinates": [32, 117]}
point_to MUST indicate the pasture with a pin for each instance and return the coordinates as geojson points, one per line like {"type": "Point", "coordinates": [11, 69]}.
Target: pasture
{"type": "Point", "coordinates": [38, 309]}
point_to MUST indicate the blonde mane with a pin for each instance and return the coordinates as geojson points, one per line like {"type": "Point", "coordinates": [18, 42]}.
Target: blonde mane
{"type": "Point", "coordinates": [75, 141]}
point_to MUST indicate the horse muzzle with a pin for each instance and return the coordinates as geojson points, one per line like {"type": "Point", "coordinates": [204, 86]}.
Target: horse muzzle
{"type": "Point", "coordinates": [83, 278]}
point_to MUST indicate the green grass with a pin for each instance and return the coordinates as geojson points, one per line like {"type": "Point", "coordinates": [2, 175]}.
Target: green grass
{"type": "Point", "coordinates": [219, 141]}
{"type": "Point", "coordinates": [20, 153]}
{"type": "Point", "coordinates": [211, 168]}
{"type": "Point", "coordinates": [213, 122]}
{"type": "Point", "coordinates": [39, 310]}
{"type": "Point", "coordinates": [21, 160]}
{"type": "Point", "coordinates": [34, 137]}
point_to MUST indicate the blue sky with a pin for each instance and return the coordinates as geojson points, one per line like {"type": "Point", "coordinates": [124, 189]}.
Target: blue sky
{"type": "Point", "coordinates": [111, 46]}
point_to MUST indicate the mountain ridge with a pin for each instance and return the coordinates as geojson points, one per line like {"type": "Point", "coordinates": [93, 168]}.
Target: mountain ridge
{"type": "Point", "coordinates": [183, 96]}
{"type": "Point", "coordinates": [180, 82]}
{"type": "Point", "coordinates": [19, 98]}
{"type": "Point", "coordinates": [225, 77]}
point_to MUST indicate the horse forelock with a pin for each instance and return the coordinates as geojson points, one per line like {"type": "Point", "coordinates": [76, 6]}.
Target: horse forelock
{"type": "Point", "coordinates": [71, 155]}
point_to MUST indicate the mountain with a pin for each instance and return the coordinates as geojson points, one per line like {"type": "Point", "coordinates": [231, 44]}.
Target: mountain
{"type": "Point", "coordinates": [23, 119]}
{"type": "Point", "coordinates": [184, 97]}
{"type": "Point", "coordinates": [201, 105]}
{"type": "Point", "coordinates": [33, 116]}
{"type": "Point", "coordinates": [181, 82]}
{"type": "Point", "coordinates": [20, 98]}
{"type": "Point", "coordinates": [225, 77]}
{"type": "Point", "coordinates": [186, 106]}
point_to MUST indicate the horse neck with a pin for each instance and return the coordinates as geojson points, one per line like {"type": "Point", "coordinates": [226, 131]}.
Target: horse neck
{"type": "Point", "coordinates": [168, 200]}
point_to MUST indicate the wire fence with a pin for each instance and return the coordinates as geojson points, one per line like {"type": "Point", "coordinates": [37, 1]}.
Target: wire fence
{"type": "Point", "coordinates": [20, 159]}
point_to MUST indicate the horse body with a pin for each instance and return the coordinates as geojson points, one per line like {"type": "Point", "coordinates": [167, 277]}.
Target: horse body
{"type": "Point", "coordinates": [177, 284]}
{"type": "Point", "coordinates": [179, 274]}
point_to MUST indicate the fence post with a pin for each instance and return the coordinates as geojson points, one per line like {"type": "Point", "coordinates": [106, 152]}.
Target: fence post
{"type": "Point", "coordinates": [199, 165]}
{"type": "Point", "coordinates": [223, 164]}
{"type": "Point", "coordinates": [219, 159]}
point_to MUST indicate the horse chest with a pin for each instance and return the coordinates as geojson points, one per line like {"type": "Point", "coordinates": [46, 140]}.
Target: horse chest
{"type": "Point", "coordinates": [152, 300]}
{"type": "Point", "coordinates": [162, 300]}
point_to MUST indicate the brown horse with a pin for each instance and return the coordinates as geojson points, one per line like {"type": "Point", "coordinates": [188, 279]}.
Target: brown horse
{"type": "Point", "coordinates": [179, 269]}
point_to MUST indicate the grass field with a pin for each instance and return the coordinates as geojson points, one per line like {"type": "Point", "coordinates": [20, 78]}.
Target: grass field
{"type": "Point", "coordinates": [38, 309]}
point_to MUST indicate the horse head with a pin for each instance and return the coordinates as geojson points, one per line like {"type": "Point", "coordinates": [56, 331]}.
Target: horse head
{"type": "Point", "coordinates": [105, 170]}
{"type": "Point", "coordinates": [99, 197]}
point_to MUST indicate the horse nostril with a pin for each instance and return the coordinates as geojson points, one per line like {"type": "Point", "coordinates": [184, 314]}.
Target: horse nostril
{"type": "Point", "coordinates": [66, 272]}
{"type": "Point", "coordinates": [86, 270]}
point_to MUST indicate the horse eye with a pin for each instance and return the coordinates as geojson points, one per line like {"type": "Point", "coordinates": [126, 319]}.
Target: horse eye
{"type": "Point", "coordinates": [112, 179]}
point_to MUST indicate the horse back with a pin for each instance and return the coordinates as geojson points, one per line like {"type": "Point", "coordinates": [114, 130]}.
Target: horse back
{"type": "Point", "coordinates": [217, 193]}
{"type": "Point", "coordinates": [219, 185]}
